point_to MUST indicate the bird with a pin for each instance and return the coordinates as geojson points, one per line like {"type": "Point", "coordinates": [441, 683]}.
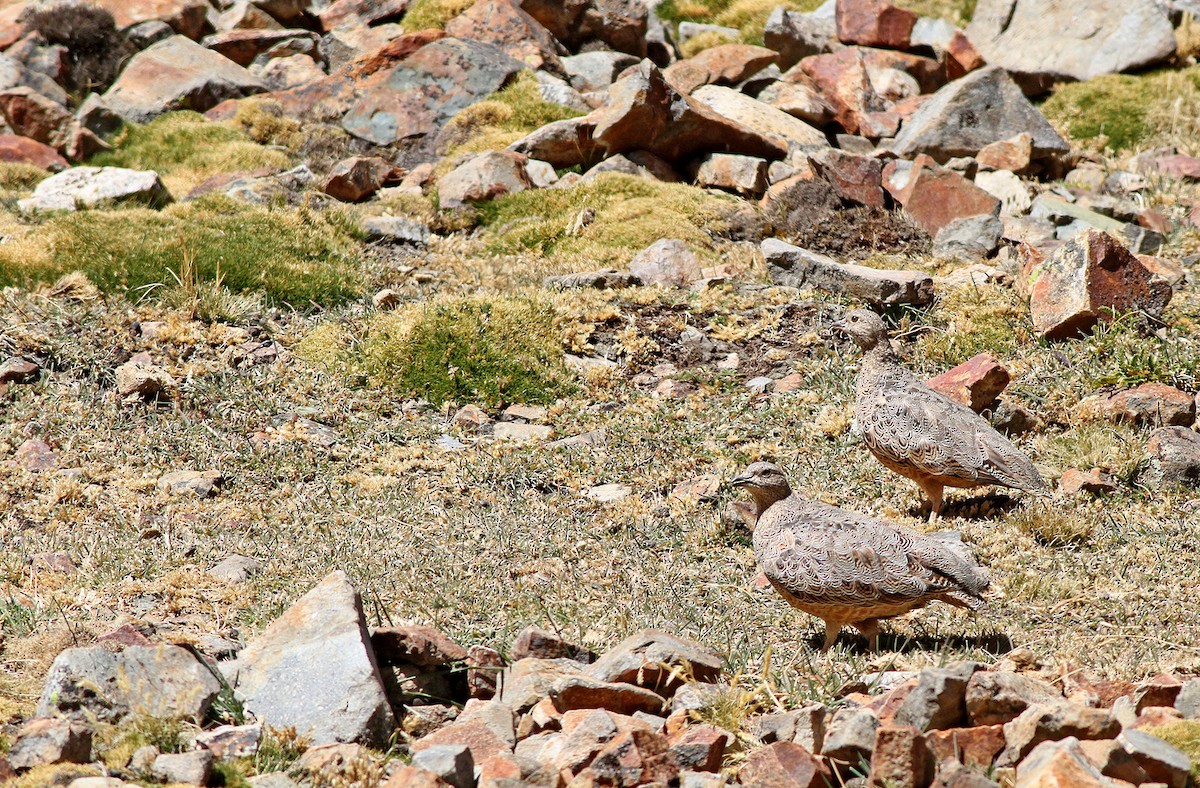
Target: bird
{"type": "Point", "coordinates": [849, 569]}
{"type": "Point", "coordinates": [922, 434]}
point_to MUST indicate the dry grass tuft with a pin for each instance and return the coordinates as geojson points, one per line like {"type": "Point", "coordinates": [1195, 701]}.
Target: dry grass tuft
{"type": "Point", "coordinates": [1053, 526]}
{"type": "Point", "coordinates": [433, 14]}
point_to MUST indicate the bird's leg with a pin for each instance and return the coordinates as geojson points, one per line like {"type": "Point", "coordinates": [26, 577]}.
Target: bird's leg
{"type": "Point", "coordinates": [870, 630]}
{"type": "Point", "coordinates": [831, 632]}
{"type": "Point", "coordinates": [935, 492]}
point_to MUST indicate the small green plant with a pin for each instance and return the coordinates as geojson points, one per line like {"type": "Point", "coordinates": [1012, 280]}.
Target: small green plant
{"type": "Point", "coordinates": [433, 14]}
{"type": "Point", "coordinates": [279, 750]}
{"type": "Point", "coordinates": [17, 620]}
{"type": "Point", "coordinates": [1054, 526]}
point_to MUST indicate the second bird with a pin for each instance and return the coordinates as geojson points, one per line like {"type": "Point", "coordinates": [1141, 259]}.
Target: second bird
{"type": "Point", "coordinates": [924, 435]}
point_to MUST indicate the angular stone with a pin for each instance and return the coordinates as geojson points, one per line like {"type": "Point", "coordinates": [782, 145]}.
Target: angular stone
{"type": "Point", "coordinates": [935, 196]}
{"type": "Point", "coordinates": [415, 644]}
{"type": "Point", "coordinates": [185, 17]}
{"type": "Point", "coordinates": [759, 119]}
{"type": "Point", "coordinates": [453, 764]}
{"type": "Point", "coordinates": [844, 82]}
{"type": "Point", "coordinates": [41, 742]}
{"type": "Point", "coordinates": [1086, 281]}
{"type": "Point", "coordinates": [744, 175]}
{"type": "Point", "coordinates": [483, 177]}
{"type": "Point", "coordinates": [952, 774]}
{"type": "Point", "coordinates": [1014, 154]}
{"type": "Point", "coordinates": [640, 163]}
{"type": "Point", "coordinates": [483, 670]}
{"type": "Point", "coordinates": [230, 742]}
{"type": "Point", "coordinates": [784, 765]}
{"type": "Point", "coordinates": [522, 433]}
{"type": "Point", "coordinates": [163, 682]}
{"type": "Point", "coordinates": [796, 35]}
{"type": "Point", "coordinates": [997, 697]}
{"type": "Point", "coordinates": [527, 681]}
{"type": "Point", "coordinates": [135, 379]}
{"type": "Point", "coordinates": [474, 737]}
{"type": "Point", "coordinates": [201, 484]}
{"type": "Point", "coordinates": [91, 186]}
{"type": "Point", "coordinates": [608, 279]}
{"type": "Point", "coordinates": [968, 237]}
{"type": "Point", "coordinates": [938, 700]}
{"type": "Point", "coordinates": [23, 150]}
{"type": "Point", "coordinates": [850, 735]}
{"type": "Point", "coordinates": [314, 668]}
{"type": "Point", "coordinates": [426, 88]}
{"type": "Point", "coordinates": [976, 747]}
{"type": "Point", "coordinates": [874, 23]}
{"type": "Point", "coordinates": [1161, 761]}
{"type": "Point", "coordinates": [636, 757]}
{"type": "Point", "coordinates": [1010, 190]}
{"type": "Point", "coordinates": [798, 97]}
{"type": "Point", "coordinates": [1093, 482]}
{"type": "Point", "coordinates": [795, 267]}
{"type": "Point", "coordinates": [1114, 36]}
{"type": "Point", "coordinates": [1153, 404]}
{"type": "Point", "coordinates": [1054, 722]}
{"type": "Point", "coordinates": [235, 569]}
{"type": "Point", "coordinates": [18, 370]}
{"type": "Point", "coordinates": [540, 644]}
{"type": "Point", "coordinates": [185, 768]}
{"type": "Point", "coordinates": [1175, 452]}
{"type": "Point", "coordinates": [727, 64]}
{"type": "Point", "coordinates": [177, 73]}
{"type": "Point", "coordinates": [581, 692]}
{"type": "Point", "coordinates": [358, 178]}
{"type": "Point", "coordinates": [901, 758]}
{"type": "Point", "coordinates": [649, 658]}
{"type": "Point", "coordinates": [976, 383]}
{"type": "Point", "coordinates": [967, 115]}
{"type": "Point", "coordinates": [1059, 764]}
{"type": "Point", "coordinates": [592, 71]}
{"type": "Point", "coordinates": [244, 46]}
{"type": "Point", "coordinates": [700, 747]}
{"type": "Point", "coordinates": [503, 24]}
{"type": "Point", "coordinates": [668, 262]}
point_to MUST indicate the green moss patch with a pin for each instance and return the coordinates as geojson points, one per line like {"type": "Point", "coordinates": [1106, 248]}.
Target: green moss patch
{"type": "Point", "coordinates": [293, 256]}
{"type": "Point", "coordinates": [1185, 735]}
{"type": "Point", "coordinates": [433, 14]}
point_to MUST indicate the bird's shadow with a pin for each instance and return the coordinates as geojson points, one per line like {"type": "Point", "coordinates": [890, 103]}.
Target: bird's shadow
{"type": "Point", "coordinates": [994, 643]}
{"type": "Point", "coordinates": [976, 507]}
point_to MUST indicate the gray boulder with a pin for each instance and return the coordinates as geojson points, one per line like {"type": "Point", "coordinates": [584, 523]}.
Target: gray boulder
{"type": "Point", "coordinates": [85, 187]}
{"type": "Point", "coordinates": [795, 267]}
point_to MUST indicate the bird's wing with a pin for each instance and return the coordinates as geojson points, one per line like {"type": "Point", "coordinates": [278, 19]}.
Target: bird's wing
{"type": "Point", "coordinates": [915, 426]}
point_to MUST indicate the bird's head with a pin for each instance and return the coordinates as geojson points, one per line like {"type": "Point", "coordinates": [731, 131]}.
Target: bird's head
{"type": "Point", "coordinates": [765, 482]}
{"type": "Point", "coordinates": [864, 327]}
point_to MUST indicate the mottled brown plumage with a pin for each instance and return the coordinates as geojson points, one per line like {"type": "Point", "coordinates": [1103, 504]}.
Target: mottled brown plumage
{"type": "Point", "coordinates": [849, 569]}
{"type": "Point", "coordinates": [924, 435]}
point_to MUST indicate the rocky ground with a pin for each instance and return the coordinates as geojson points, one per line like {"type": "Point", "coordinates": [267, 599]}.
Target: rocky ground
{"type": "Point", "coordinates": [370, 427]}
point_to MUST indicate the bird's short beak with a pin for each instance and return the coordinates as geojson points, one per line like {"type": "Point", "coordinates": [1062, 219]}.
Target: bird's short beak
{"type": "Point", "coordinates": [837, 325]}
{"type": "Point", "coordinates": [740, 480]}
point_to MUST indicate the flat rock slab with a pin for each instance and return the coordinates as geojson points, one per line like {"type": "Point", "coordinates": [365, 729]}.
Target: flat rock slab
{"type": "Point", "coordinates": [795, 267]}
{"type": "Point", "coordinates": [164, 682]}
{"type": "Point", "coordinates": [90, 186]}
{"type": "Point", "coordinates": [313, 668]}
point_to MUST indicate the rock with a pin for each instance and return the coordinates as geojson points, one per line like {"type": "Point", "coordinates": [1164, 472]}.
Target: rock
{"type": "Point", "coordinates": [938, 699]}
{"type": "Point", "coordinates": [581, 692]}
{"type": "Point", "coordinates": [483, 177]}
{"type": "Point", "coordinates": [90, 186]}
{"type": "Point", "coordinates": [35, 455]}
{"type": "Point", "coordinates": [608, 279]}
{"type": "Point", "coordinates": [451, 763]}
{"type": "Point", "coordinates": [18, 370]}
{"type": "Point", "coordinates": [647, 657]}
{"type": "Point", "coordinates": [799, 98]}
{"type": "Point", "coordinates": [1094, 482]}
{"type": "Point", "coordinates": [23, 150]}
{"type": "Point", "coordinates": [976, 383]}
{"type": "Point", "coordinates": [235, 569]}
{"type": "Point", "coordinates": [415, 644]}
{"type": "Point", "coordinates": [690, 30]}
{"type": "Point", "coordinates": [635, 757]}
{"type": "Point", "coordinates": [591, 71]}
{"type": "Point", "coordinates": [850, 735]}
{"type": "Point", "coordinates": [969, 114]}
{"type": "Point", "coordinates": [901, 758]}
{"type": "Point", "coordinates": [245, 46]}
{"type": "Point", "coordinates": [668, 262]}
{"type": "Point", "coordinates": [483, 669]}
{"type": "Point", "coordinates": [503, 24]}
{"type": "Point", "coordinates": [135, 380]}
{"type": "Point", "coordinates": [952, 774]}
{"type": "Point", "coordinates": [1053, 722]}
{"type": "Point", "coordinates": [1085, 281]}
{"type": "Point", "coordinates": [540, 644]}
{"type": "Point", "coordinates": [795, 35]}
{"type": "Point", "coordinates": [230, 742]}
{"type": "Point", "coordinates": [1113, 761]}
{"type": "Point", "coordinates": [314, 668]}
{"type": "Point", "coordinates": [177, 73]}
{"type": "Point", "coordinates": [1006, 187]}
{"type": "Point", "coordinates": [640, 163]}
{"type": "Point", "coordinates": [528, 681]}
{"type": "Point", "coordinates": [1114, 36]}
{"type": "Point", "coordinates": [874, 23]}
{"type": "Point", "coordinates": [1153, 404]}
{"type": "Point", "coordinates": [968, 237]}
{"type": "Point", "coordinates": [759, 119]}
{"type": "Point", "coordinates": [185, 768]}
{"type": "Point", "coordinates": [1161, 690]}
{"type": "Point", "coordinates": [163, 682]}
{"type": "Point", "coordinates": [201, 484]}
{"type": "Point", "coordinates": [935, 196]}
{"type": "Point", "coordinates": [976, 747]}
{"type": "Point", "coordinates": [858, 179]}
{"type": "Point", "coordinates": [700, 747]}
{"type": "Point", "coordinates": [1161, 761]}
{"type": "Point", "coordinates": [396, 230]}
{"type": "Point", "coordinates": [522, 433]}
{"type": "Point", "coordinates": [784, 765]}
{"type": "Point", "coordinates": [744, 175]}
{"type": "Point", "coordinates": [47, 741]}
{"type": "Point", "coordinates": [426, 88]}
{"type": "Point", "coordinates": [727, 64]}
{"type": "Point", "coordinates": [1059, 764]}
{"type": "Point", "coordinates": [795, 267]}
{"type": "Point", "coordinates": [997, 697]}
{"type": "Point", "coordinates": [33, 115]}
{"type": "Point", "coordinates": [1014, 154]}
{"type": "Point", "coordinates": [1175, 452]}
{"type": "Point", "coordinates": [609, 493]}
{"type": "Point", "coordinates": [358, 178]}
{"type": "Point", "coordinates": [844, 81]}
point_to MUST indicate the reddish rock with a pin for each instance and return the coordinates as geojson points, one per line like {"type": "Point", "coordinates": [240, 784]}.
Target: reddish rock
{"type": "Point", "coordinates": [36, 456]}
{"type": "Point", "coordinates": [1113, 761]}
{"type": "Point", "coordinates": [1059, 764]}
{"type": "Point", "coordinates": [975, 747]}
{"type": "Point", "coordinates": [11, 31]}
{"type": "Point", "coordinates": [668, 262]}
{"type": "Point", "coordinates": [650, 658]}
{"type": "Point", "coordinates": [1093, 482]}
{"type": "Point", "coordinates": [784, 765]}
{"type": "Point", "coordinates": [186, 17]}
{"type": "Point", "coordinates": [483, 671]}
{"type": "Point", "coordinates": [47, 741]}
{"type": "Point", "coordinates": [1154, 404]}
{"type": "Point", "coordinates": [1161, 761]}
{"type": "Point", "coordinates": [483, 177]}
{"type": "Point", "coordinates": [1085, 281]}
{"type": "Point", "coordinates": [858, 179]}
{"type": "Point", "coordinates": [502, 23]}
{"type": "Point", "coordinates": [1160, 690]}
{"type": "Point", "coordinates": [415, 644]}
{"type": "Point", "coordinates": [635, 757]}
{"type": "Point", "coordinates": [798, 96]}
{"type": "Point", "coordinates": [23, 150]}
{"type": "Point", "coordinates": [1156, 716]}
{"type": "Point", "coordinates": [996, 697]}
{"type": "Point", "coordinates": [901, 758]}
{"type": "Point", "coordinates": [540, 644]}
{"type": "Point", "coordinates": [475, 735]}
{"type": "Point", "coordinates": [1081, 688]}
{"type": "Point", "coordinates": [744, 175]}
{"type": "Point", "coordinates": [975, 383]}
{"type": "Point", "coordinates": [961, 57]}
{"type": "Point", "coordinates": [1178, 166]}
{"type": "Point", "coordinates": [1053, 722]}
{"type": "Point", "coordinates": [1014, 154]}
{"type": "Point", "coordinates": [700, 748]}
{"type": "Point", "coordinates": [928, 72]}
{"type": "Point", "coordinates": [362, 12]}
{"type": "Point", "coordinates": [789, 383]}
{"type": "Point", "coordinates": [935, 196]}
{"type": "Point", "coordinates": [874, 23]}
{"type": "Point", "coordinates": [18, 370]}
{"type": "Point", "coordinates": [32, 115]}
{"type": "Point", "coordinates": [581, 692]}
{"type": "Point", "coordinates": [727, 64]}
{"type": "Point", "coordinates": [243, 46]}
{"type": "Point", "coordinates": [414, 777]}
{"type": "Point", "coordinates": [844, 83]}
{"type": "Point", "coordinates": [1154, 220]}
{"type": "Point", "coordinates": [358, 178]}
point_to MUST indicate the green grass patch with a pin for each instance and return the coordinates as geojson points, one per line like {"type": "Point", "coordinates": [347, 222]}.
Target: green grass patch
{"type": "Point", "coordinates": [293, 256]}
{"type": "Point", "coordinates": [627, 214]}
{"type": "Point", "coordinates": [484, 349]}
{"type": "Point", "coordinates": [16, 178]}
{"type": "Point", "coordinates": [185, 150]}
{"type": "Point", "coordinates": [433, 14]}
{"type": "Point", "coordinates": [1126, 112]}
{"type": "Point", "coordinates": [968, 321]}
{"type": "Point", "coordinates": [1185, 735]}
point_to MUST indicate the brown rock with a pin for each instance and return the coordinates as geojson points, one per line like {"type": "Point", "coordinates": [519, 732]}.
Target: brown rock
{"type": "Point", "coordinates": [186, 17]}
{"type": "Point", "coordinates": [414, 777]}
{"type": "Point", "coordinates": [18, 370]}
{"type": "Point", "coordinates": [727, 64]}
{"type": "Point", "coordinates": [1059, 764]}
{"type": "Point", "coordinates": [35, 456]}
{"type": "Point", "coordinates": [997, 697]}
{"type": "Point", "coordinates": [760, 119]}
{"type": "Point", "coordinates": [935, 196]}
{"type": "Point", "coordinates": [634, 758]}
{"type": "Point", "coordinates": [952, 774]}
{"type": "Point", "coordinates": [784, 765]}
{"type": "Point", "coordinates": [361, 12]}
{"type": "Point", "coordinates": [874, 23]}
{"type": "Point", "coordinates": [668, 262]}
{"type": "Point", "coordinates": [1153, 404]}
{"type": "Point", "coordinates": [1113, 761]}
{"type": "Point", "coordinates": [484, 176]}
{"type": "Point", "coordinates": [1156, 716]}
{"type": "Point", "coordinates": [1093, 482]}
{"type": "Point", "coordinates": [244, 46]}
{"type": "Point", "coordinates": [23, 150]}
{"type": "Point", "coordinates": [858, 179]}
{"type": "Point", "coordinates": [1161, 761]}
{"type": "Point", "coordinates": [32, 115]}
{"type": "Point", "coordinates": [1175, 452]}
{"type": "Point", "coordinates": [961, 57]}
{"type": "Point", "coordinates": [700, 748]}
{"type": "Point", "coordinates": [1054, 722]}
{"type": "Point", "coordinates": [901, 758]}
{"type": "Point", "coordinates": [928, 72]}
{"type": "Point", "coordinates": [976, 382]}
{"type": "Point", "coordinates": [47, 741]}
{"type": "Point", "coordinates": [654, 659]}
{"type": "Point", "coordinates": [359, 177]}
{"type": "Point", "coordinates": [581, 692]}
{"type": "Point", "coordinates": [1081, 688]}
{"type": "Point", "coordinates": [793, 266]}
{"type": "Point", "coordinates": [975, 747]}
{"type": "Point", "coordinates": [744, 175]}
{"type": "Point", "coordinates": [475, 735]}
{"type": "Point", "coordinates": [540, 644]}
{"type": "Point", "coordinates": [1014, 154]}
{"type": "Point", "coordinates": [415, 644]}
{"type": "Point", "coordinates": [1178, 166]}
{"type": "Point", "coordinates": [844, 83]}
{"type": "Point", "coordinates": [1085, 281]}
{"type": "Point", "coordinates": [1160, 690]}
{"type": "Point", "coordinates": [798, 96]}
{"type": "Point", "coordinates": [502, 23]}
